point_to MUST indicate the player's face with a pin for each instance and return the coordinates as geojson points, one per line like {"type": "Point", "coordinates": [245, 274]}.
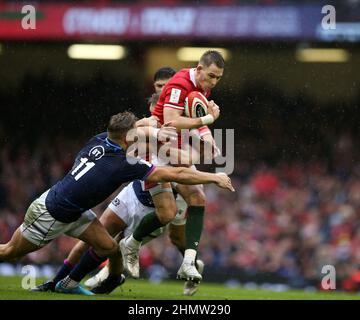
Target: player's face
{"type": "Point", "coordinates": [159, 84]}
{"type": "Point", "coordinates": [208, 77]}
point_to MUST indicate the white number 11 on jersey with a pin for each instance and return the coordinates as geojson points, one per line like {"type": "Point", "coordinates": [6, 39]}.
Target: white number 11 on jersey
{"type": "Point", "coordinates": [88, 166]}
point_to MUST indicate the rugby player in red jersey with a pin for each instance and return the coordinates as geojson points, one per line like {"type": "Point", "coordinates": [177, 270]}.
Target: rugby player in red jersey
{"type": "Point", "coordinates": [170, 109]}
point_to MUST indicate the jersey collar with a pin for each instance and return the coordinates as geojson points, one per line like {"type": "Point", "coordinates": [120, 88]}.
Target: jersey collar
{"type": "Point", "coordinates": [112, 144]}
{"type": "Point", "coordinates": [192, 76]}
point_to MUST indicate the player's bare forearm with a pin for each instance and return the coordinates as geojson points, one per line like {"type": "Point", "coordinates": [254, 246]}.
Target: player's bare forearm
{"type": "Point", "coordinates": [190, 176]}
{"type": "Point", "coordinates": [179, 122]}
{"type": "Point", "coordinates": [185, 122]}
{"type": "Point", "coordinates": [182, 175]}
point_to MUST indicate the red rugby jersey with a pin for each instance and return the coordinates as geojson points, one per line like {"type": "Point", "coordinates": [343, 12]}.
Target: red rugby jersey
{"type": "Point", "coordinates": [174, 93]}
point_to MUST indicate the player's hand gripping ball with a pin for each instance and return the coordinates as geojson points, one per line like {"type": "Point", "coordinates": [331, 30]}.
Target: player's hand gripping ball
{"type": "Point", "coordinates": [196, 105]}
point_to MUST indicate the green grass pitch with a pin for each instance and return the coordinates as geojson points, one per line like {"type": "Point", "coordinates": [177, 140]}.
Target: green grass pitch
{"type": "Point", "coordinates": [10, 289]}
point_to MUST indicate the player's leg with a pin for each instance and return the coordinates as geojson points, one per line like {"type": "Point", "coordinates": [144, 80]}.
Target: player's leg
{"type": "Point", "coordinates": [68, 264]}
{"type": "Point", "coordinates": [122, 215]}
{"type": "Point", "coordinates": [103, 246]}
{"type": "Point", "coordinates": [111, 223]}
{"type": "Point", "coordinates": [165, 205]}
{"type": "Point", "coordinates": [37, 230]}
{"type": "Point", "coordinates": [110, 276]}
{"type": "Point", "coordinates": [177, 226]}
{"type": "Point", "coordinates": [195, 199]}
{"type": "Point", "coordinates": [132, 212]}
{"type": "Point", "coordinates": [116, 220]}
{"type": "Point", "coordinates": [177, 236]}
{"type": "Point", "coordinates": [16, 248]}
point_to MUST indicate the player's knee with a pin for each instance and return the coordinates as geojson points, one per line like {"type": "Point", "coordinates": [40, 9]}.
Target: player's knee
{"type": "Point", "coordinates": [166, 214]}
{"type": "Point", "coordinates": [77, 252]}
{"type": "Point", "coordinates": [113, 248]}
{"type": "Point", "coordinates": [108, 248]}
{"type": "Point", "coordinates": [196, 198]}
{"type": "Point", "coordinates": [166, 219]}
{"type": "Point", "coordinates": [7, 252]}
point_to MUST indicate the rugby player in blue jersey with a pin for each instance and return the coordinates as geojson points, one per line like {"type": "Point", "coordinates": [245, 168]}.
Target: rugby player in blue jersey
{"type": "Point", "coordinates": [123, 215]}
{"type": "Point", "coordinates": [100, 167]}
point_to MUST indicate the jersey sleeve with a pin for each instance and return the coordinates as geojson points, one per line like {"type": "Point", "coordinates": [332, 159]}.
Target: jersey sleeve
{"type": "Point", "coordinates": [140, 170]}
{"type": "Point", "coordinates": [175, 97]}
{"type": "Point", "coordinates": [203, 131]}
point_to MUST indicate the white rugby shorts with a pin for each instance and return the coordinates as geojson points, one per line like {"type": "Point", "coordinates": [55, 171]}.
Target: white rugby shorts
{"type": "Point", "coordinates": [40, 228]}
{"type": "Point", "coordinates": [128, 208]}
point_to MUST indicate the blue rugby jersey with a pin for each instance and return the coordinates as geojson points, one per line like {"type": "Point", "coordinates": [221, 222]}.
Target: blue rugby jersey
{"type": "Point", "coordinates": [99, 169]}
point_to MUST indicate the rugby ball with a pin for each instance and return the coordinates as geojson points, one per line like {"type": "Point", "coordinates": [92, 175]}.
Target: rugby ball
{"type": "Point", "coordinates": [196, 105]}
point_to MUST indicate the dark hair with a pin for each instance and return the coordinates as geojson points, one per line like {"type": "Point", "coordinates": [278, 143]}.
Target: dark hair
{"type": "Point", "coordinates": [120, 124]}
{"type": "Point", "coordinates": [164, 73]}
{"type": "Point", "coordinates": [153, 99]}
{"type": "Point", "coordinates": [212, 57]}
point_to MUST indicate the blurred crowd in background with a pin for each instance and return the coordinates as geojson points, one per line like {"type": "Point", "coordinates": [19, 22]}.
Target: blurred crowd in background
{"type": "Point", "coordinates": [297, 176]}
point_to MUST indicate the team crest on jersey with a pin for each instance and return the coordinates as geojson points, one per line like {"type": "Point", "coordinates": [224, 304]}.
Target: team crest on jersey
{"type": "Point", "coordinates": [96, 152]}
{"type": "Point", "coordinates": [116, 202]}
{"type": "Point", "coordinates": [175, 95]}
